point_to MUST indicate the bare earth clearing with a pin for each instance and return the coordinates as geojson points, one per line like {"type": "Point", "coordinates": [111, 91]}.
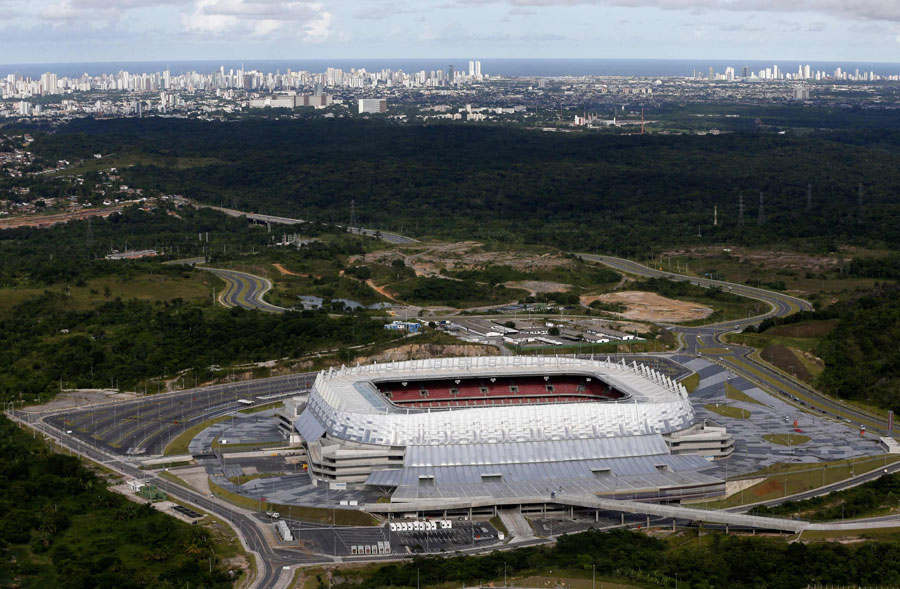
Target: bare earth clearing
{"type": "Point", "coordinates": [766, 259]}
{"type": "Point", "coordinates": [467, 255]}
{"type": "Point", "coordinates": [648, 306]}
{"type": "Point", "coordinates": [538, 286]}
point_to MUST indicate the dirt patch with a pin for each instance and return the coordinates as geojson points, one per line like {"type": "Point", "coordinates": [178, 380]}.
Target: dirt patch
{"type": "Point", "coordinates": [420, 351]}
{"type": "Point", "coordinates": [468, 255]}
{"type": "Point", "coordinates": [537, 286]}
{"type": "Point", "coordinates": [784, 358]}
{"type": "Point", "coordinates": [648, 306]}
{"type": "Point", "coordinates": [195, 476]}
{"type": "Point", "coordinates": [285, 272]}
{"type": "Point", "coordinates": [768, 487]}
{"type": "Point", "coordinates": [382, 291]}
{"type": "Point", "coordinates": [806, 329]}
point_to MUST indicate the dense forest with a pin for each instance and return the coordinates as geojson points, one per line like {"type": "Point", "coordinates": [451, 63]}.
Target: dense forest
{"type": "Point", "coordinates": [579, 192]}
{"type": "Point", "coordinates": [722, 561]}
{"type": "Point", "coordinates": [75, 251]}
{"type": "Point", "coordinates": [62, 528]}
{"type": "Point", "coordinates": [861, 354]}
{"type": "Point", "coordinates": [59, 328]}
{"type": "Point", "coordinates": [122, 343]}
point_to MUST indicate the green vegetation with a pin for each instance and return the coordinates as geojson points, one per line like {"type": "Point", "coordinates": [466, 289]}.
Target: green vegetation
{"type": "Point", "coordinates": [579, 192]}
{"type": "Point", "coordinates": [862, 360]}
{"type": "Point", "coordinates": [260, 408]}
{"type": "Point", "coordinates": [180, 444]}
{"type": "Point", "coordinates": [735, 394]}
{"type": "Point", "coordinates": [784, 479]}
{"type": "Point", "coordinates": [581, 275]}
{"type": "Point", "coordinates": [714, 561]}
{"type": "Point", "coordinates": [874, 498]}
{"type": "Point", "coordinates": [499, 525]}
{"type": "Point", "coordinates": [129, 342]}
{"type": "Point", "coordinates": [728, 411]}
{"type": "Point", "coordinates": [786, 439]}
{"type": "Point", "coordinates": [453, 293]}
{"type": "Point", "coordinates": [61, 527]}
{"type": "Point", "coordinates": [691, 382]}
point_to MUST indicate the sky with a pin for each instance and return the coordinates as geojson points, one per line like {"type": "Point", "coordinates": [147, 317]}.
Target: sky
{"type": "Point", "coordinates": [53, 31]}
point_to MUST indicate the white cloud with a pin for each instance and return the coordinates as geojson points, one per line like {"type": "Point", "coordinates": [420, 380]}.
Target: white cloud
{"type": "Point", "coordinates": [856, 9]}
{"type": "Point", "coordinates": [260, 18]}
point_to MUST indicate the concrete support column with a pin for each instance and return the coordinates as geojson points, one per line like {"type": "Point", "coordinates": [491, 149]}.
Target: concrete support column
{"type": "Point", "coordinates": [596, 515]}
{"type": "Point", "coordinates": [648, 522]}
{"type": "Point", "coordinates": [623, 518]}
{"type": "Point", "coordinates": [726, 528]}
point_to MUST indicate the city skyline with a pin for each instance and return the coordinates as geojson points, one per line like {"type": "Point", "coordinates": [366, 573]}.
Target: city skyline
{"type": "Point", "coordinates": [67, 31]}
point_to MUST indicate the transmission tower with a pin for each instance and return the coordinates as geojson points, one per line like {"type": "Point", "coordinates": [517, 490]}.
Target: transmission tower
{"type": "Point", "coordinates": [808, 197]}
{"type": "Point", "coordinates": [89, 236]}
{"type": "Point", "coordinates": [741, 209]}
{"type": "Point", "coordinates": [762, 213]}
{"type": "Point", "coordinates": [859, 198]}
{"type": "Point", "coordinates": [354, 222]}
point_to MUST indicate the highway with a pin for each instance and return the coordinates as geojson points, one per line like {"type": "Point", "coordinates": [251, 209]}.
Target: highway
{"type": "Point", "coordinates": [739, 358]}
{"type": "Point", "coordinates": [260, 218]}
{"type": "Point", "coordinates": [146, 425]}
{"type": "Point", "coordinates": [245, 290]}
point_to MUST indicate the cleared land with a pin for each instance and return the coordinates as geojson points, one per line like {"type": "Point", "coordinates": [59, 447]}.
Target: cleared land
{"type": "Point", "coordinates": [149, 287]}
{"type": "Point", "coordinates": [648, 306]}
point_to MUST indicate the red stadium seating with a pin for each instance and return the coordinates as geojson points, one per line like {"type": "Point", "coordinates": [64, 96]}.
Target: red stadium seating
{"type": "Point", "coordinates": [497, 391]}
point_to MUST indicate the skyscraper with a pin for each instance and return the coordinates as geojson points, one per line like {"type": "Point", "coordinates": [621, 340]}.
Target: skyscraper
{"type": "Point", "coordinates": [471, 69]}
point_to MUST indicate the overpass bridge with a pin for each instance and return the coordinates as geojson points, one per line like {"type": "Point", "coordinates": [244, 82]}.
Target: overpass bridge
{"type": "Point", "coordinates": [674, 512]}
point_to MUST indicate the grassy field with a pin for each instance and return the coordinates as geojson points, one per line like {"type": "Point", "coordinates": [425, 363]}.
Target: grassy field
{"type": "Point", "coordinates": [790, 479]}
{"type": "Point", "coordinates": [150, 287]}
{"type": "Point", "coordinates": [786, 439]}
{"type": "Point", "coordinates": [728, 411]}
{"type": "Point", "coordinates": [180, 444]}
{"type": "Point", "coordinates": [735, 394]}
{"type": "Point", "coordinates": [691, 382]}
{"type": "Point", "coordinates": [260, 408]}
{"type": "Point", "coordinates": [341, 517]}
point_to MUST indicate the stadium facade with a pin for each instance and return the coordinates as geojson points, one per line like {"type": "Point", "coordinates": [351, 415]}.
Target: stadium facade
{"type": "Point", "coordinates": [506, 427]}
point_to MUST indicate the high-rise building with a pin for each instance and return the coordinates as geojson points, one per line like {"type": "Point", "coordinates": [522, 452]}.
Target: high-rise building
{"type": "Point", "coordinates": [471, 69]}
{"type": "Point", "coordinates": [372, 105]}
{"type": "Point", "coordinates": [478, 69]}
{"type": "Point", "coordinates": [451, 78]}
{"type": "Point", "coordinates": [712, 73]}
{"type": "Point", "coordinates": [745, 71]}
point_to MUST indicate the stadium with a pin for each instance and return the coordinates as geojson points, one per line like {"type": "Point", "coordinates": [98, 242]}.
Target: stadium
{"type": "Point", "coordinates": [506, 429]}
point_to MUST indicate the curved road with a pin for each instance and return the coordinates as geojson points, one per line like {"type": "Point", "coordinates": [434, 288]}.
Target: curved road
{"type": "Point", "coordinates": [739, 358]}
{"type": "Point", "coordinates": [245, 290]}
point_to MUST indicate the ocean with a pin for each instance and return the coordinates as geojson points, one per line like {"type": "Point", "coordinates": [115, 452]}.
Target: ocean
{"type": "Point", "coordinates": [503, 67]}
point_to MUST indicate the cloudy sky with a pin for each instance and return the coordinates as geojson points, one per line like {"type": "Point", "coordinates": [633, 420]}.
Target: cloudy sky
{"type": "Point", "coordinates": [39, 31]}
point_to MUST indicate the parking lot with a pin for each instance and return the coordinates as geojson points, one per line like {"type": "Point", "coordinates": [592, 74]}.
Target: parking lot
{"type": "Point", "coordinates": [340, 541]}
